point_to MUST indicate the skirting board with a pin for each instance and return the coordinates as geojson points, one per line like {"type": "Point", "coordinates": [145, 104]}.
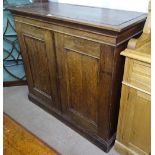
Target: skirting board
{"type": "Point", "coordinates": [122, 149]}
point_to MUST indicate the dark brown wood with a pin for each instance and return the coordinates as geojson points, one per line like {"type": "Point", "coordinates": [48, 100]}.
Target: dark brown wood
{"type": "Point", "coordinates": [80, 79]}
{"type": "Point", "coordinates": [14, 83]}
{"type": "Point", "coordinates": [110, 19]}
{"type": "Point", "coordinates": [41, 1]}
{"type": "Point", "coordinates": [73, 65]}
{"type": "Point", "coordinates": [38, 54]}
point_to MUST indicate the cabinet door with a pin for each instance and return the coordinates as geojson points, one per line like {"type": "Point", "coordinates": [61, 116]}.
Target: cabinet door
{"type": "Point", "coordinates": [78, 61]}
{"type": "Point", "coordinates": [81, 81]}
{"type": "Point", "coordinates": [134, 128]}
{"type": "Point", "coordinates": [39, 58]}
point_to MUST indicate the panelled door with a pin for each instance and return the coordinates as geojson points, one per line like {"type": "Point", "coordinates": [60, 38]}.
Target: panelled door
{"type": "Point", "coordinates": [81, 82]}
{"type": "Point", "coordinates": [134, 129]}
{"type": "Point", "coordinates": [39, 56]}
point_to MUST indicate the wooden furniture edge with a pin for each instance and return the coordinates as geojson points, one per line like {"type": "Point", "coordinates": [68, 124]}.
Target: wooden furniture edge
{"type": "Point", "coordinates": [122, 149]}
{"type": "Point", "coordinates": [134, 87]}
{"type": "Point", "coordinates": [133, 54]}
{"type": "Point", "coordinates": [14, 83]}
{"type": "Point", "coordinates": [118, 28]}
{"type": "Point", "coordinates": [146, 36]}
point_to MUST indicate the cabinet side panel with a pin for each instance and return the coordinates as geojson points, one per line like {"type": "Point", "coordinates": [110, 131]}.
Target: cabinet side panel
{"type": "Point", "coordinates": [134, 125]}
{"type": "Point", "coordinates": [142, 120]}
{"type": "Point", "coordinates": [117, 76]}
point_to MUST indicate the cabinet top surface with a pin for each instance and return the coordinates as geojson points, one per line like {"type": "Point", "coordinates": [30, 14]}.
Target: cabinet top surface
{"type": "Point", "coordinates": [110, 19]}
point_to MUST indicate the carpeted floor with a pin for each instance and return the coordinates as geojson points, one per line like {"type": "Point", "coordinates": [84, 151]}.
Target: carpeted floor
{"type": "Point", "coordinates": [53, 132]}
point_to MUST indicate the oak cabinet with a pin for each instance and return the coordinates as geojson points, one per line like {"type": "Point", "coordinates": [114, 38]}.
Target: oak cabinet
{"type": "Point", "coordinates": [73, 63]}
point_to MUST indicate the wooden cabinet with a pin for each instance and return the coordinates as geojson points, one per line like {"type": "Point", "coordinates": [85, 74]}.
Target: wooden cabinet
{"type": "Point", "coordinates": [134, 125]}
{"type": "Point", "coordinates": [73, 63]}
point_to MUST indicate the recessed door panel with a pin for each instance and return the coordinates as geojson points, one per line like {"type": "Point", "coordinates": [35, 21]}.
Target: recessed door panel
{"type": "Point", "coordinates": [38, 63]}
{"type": "Point", "coordinates": [135, 126]}
{"type": "Point", "coordinates": [82, 71]}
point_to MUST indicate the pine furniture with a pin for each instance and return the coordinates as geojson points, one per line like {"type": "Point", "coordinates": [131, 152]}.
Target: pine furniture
{"type": "Point", "coordinates": [134, 125]}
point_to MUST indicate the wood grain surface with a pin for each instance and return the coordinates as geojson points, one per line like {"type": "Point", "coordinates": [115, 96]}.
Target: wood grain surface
{"type": "Point", "coordinates": [134, 125]}
{"type": "Point", "coordinates": [19, 141]}
{"type": "Point", "coordinates": [116, 20]}
{"type": "Point", "coordinates": [73, 64]}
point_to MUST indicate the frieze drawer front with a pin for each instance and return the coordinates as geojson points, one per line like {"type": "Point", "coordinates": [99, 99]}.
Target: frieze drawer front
{"type": "Point", "coordinates": [138, 74]}
{"type": "Point", "coordinates": [73, 63]}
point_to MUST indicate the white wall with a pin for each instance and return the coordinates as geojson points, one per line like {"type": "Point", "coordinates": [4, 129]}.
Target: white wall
{"type": "Point", "coordinates": [131, 5]}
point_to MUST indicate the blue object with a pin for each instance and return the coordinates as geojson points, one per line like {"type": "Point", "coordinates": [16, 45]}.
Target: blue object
{"type": "Point", "coordinates": [13, 68]}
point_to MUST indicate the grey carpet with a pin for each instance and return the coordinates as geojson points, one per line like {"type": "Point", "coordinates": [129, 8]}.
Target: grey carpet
{"type": "Point", "coordinates": [48, 128]}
